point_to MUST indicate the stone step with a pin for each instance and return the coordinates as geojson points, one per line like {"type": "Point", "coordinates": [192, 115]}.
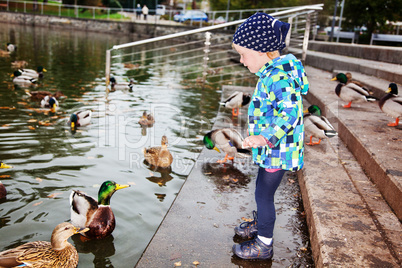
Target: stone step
{"type": "Point", "coordinates": [366, 213]}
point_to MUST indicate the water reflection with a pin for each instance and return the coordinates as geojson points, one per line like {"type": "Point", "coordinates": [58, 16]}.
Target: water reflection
{"type": "Point", "coordinates": [50, 161]}
{"type": "Point", "coordinates": [226, 177]}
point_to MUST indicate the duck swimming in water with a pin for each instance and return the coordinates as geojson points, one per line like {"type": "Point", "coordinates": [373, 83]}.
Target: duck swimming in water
{"type": "Point", "coordinates": [57, 253]}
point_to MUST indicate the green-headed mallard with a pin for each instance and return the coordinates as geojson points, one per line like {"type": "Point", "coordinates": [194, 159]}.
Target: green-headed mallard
{"type": "Point", "coordinates": [19, 64]}
{"type": "Point", "coordinates": [32, 73]}
{"type": "Point", "coordinates": [317, 125]}
{"type": "Point", "coordinates": [96, 215]}
{"type": "Point", "coordinates": [228, 140]}
{"type": "Point", "coordinates": [23, 80]}
{"type": "Point", "coordinates": [121, 85]}
{"type": "Point", "coordinates": [3, 191]}
{"type": "Point", "coordinates": [57, 253]}
{"type": "Point", "coordinates": [236, 101]}
{"type": "Point", "coordinates": [11, 47]}
{"type": "Point", "coordinates": [49, 102]}
{"type": "Point", "coordinates": [159, 156]}
{"type": "Point", "coordinates": [80, 118]}
{"type": "Point", "coordinates": [146, 120]}
{"type": "Point", "coordinates": [391, 104]}
{"type": "Point", "coordinates": [4, 165]}
{"type": "Point", "coordinates": [350, 92]}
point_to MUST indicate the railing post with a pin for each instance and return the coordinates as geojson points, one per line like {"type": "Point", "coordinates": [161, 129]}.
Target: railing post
{"type": "Point", "coordinates": [107, 70]}
{"type": "Point", "coordinates": [206, 58]}
{"type": "Point", "coordinates": [306, 37]}
{"type": "Point", "coordinates": [287, 40]}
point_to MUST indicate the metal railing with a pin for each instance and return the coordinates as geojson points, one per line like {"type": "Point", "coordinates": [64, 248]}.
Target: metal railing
{"type": "Point", "coordinates": [300, 19]}
{"type": "Point", "coordinates": [124, 14]}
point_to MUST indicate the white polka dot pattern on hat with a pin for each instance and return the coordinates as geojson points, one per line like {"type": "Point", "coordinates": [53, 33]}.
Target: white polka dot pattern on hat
{"type": "Point", "coordinates": [261, 32]}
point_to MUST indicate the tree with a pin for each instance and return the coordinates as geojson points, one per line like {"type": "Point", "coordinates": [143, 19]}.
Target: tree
{"type": "Point", "coordinates": [372, 13]}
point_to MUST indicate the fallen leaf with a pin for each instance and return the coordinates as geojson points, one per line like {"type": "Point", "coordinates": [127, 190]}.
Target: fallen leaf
{"type": "Point", "coordinates": [54, 195]}
{"type": "Point", "coordinates": [177, 264]}
{"type": "Point", "coordinates": [32, 120]}
{"type": "Point", "coordinates": [4, 176]}
{"type": "Point", "coordinates": [38, 179]}
{"type": "Point", "coordinates": [44, 123]}
{"type": "Point", "coordinates": [37, 204]}
{"type": "Point", "coordinates": [196, 263]}
{"type": "Point", "coordinates": [31, 127]}
{"type": "Point", "coordinates": [303, 249]}
{"type": "Point", "coordinates": [246, 219]}
{"type": "Point", "coordinates": [5, 125]}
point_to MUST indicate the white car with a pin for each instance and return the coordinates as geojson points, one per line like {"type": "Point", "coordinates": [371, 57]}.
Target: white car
{"type": "Point", "coordinates": [160, 10]}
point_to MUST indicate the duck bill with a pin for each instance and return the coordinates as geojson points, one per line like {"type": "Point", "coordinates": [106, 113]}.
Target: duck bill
{"type": "Point", "coordinates": [333, 79]}
{"type": "Point", "coordinates": [305, 111]}
{"type": "Point", "coordinates": [388, 91]}
{"type": "Point", "coordinates": [216, 149]}
{"type": "Point", "coordinates": [121, 186]}
{"type": "Point", "coordinates": [3, 165]}
{"type": "Point", "coordinates": [81, 230]}
{"type": "Point", "coordinates": [44, 70]}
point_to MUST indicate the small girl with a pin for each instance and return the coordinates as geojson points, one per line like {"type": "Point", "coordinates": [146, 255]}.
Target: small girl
{"type": "Point", "coordinates": [275, 123]}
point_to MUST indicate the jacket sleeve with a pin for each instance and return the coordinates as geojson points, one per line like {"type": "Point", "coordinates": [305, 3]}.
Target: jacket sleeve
{"type": "Point", "coordinates": [284, 103]}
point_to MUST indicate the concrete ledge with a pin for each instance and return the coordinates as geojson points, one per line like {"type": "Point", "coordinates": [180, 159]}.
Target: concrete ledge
{"type": "Point", "coordinates": [330, 62]}
{"type": "Point", "coordinates": [376, 53]}
{"type": "Point", "coordinates": [364, 130]}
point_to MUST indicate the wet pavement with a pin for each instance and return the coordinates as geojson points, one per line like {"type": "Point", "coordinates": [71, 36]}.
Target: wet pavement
{"type": "Point", "coordinates": [199, 225]}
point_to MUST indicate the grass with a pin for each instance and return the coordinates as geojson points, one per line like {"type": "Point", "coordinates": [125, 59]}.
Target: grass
{"type": "Point", "coordinates": [59, 10]}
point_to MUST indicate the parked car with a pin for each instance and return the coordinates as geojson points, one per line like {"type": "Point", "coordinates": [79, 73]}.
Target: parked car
{"type": "Point", "coordinates": [160, 10]}
{"type": "Point", "coordinates": [194, 15]}
{"type": "Point", "coordinates": [219, 20]}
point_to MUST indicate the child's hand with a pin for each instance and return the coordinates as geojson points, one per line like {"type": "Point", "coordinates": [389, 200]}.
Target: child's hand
{"type": "Point", "coordinates": [255, 141]}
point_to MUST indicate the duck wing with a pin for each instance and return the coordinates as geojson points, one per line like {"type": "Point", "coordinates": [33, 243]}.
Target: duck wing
{"type": "Point", "coordinates": [357, 89]}
{"type": "Point", "coordinates": [26, 253]}
{"type": "Point", "coordinates": [82, 208]}
{"type": "Point", "coordinates": [102, 223]}
{"type": "Point", "coordinates": [233, 101]}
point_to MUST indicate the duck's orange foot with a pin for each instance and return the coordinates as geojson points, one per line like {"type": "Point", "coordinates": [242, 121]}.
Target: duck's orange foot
{"type": "Point", "coordinates": [396, 123]}
{"type": "Point", "coordinates": [318, 142]}
{"type": "Point", "coordinates": [235, 111]}
{"type": "Point", "coordinates": [348, 105]}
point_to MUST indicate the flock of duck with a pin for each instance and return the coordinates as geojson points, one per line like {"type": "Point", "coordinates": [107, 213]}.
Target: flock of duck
{"type": "Point", "coordinates": [91, 218]}
{"type": "Point", "coordinates": [316, 125]}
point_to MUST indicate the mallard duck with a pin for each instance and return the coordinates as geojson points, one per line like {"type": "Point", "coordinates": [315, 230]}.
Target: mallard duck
{"type": "Point", "coordinates": [317, 125]}
{"type": "Point", "coordinates": [41, 94]}
{"type": "Point", "coordinates": [228, 140]}
{"type": "Point", "coordinates": [159, 156]}
{"type": "Point", "coordinates": [97, 216]}
{"type": "Point", "coordinates": [3, 191]}
{"type": "Point", "coordinates": [19, 64]}
{"type": "Point", "coordinates": [57, 253]}
{"type": "Point", "coordinates": [49, 102]}
{"type": "Point", "coordinates": [350, 92]}
{"type": "Point", "coordinates": [146, 120]}
{"type": "Point", "coordinates": [131, 65]}
{"type": "Point", "coordinates": [121, 85]}
{"type": "Point", "coordinates": [391, 104]}
{"type": "Point", "coordinates": [350, 80]}
{"type": "Point", "coordinates": [4, 165]}
{"type": "Point", "coordinates": [23, 80]}
{"type": "Point", "coordinates": [236, 101]}
{"type": "Point", "coordinates": [32, 73]}
{"type": "Point", "coordinates": [11, 47]}
{"type": "Point", "coordinates": [80, 118]}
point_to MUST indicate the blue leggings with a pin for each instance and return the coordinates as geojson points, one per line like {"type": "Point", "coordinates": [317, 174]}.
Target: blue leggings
{"type": "Point", "coordinates": [266, 185]}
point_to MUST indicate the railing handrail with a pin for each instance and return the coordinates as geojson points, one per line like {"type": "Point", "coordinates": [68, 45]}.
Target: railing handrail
{"type": "Point", "coordinates": [308, 9]}
{"type": "Point", "coordinates": [213, 27]}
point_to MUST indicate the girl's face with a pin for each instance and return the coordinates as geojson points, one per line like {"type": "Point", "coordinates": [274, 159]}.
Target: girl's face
{"type": "Point", "coordinates": [253, 60]}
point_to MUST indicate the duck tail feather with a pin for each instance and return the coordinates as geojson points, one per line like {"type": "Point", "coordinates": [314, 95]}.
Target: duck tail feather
{"type": "Point", "coordinates": [330, 133]}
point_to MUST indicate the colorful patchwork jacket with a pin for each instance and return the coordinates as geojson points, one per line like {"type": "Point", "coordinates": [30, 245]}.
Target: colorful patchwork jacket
{"type": "Point", "coordinates": [276, 112]}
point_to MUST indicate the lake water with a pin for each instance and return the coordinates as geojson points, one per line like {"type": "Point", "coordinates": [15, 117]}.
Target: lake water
{"type": "Point", "coordinates": [49, 162]}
